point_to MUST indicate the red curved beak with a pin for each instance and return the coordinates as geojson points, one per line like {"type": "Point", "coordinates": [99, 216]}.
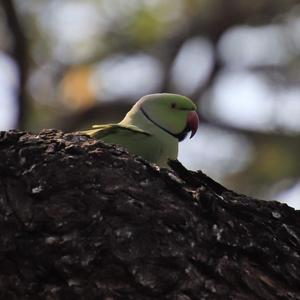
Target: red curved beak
{"type": "Point", "coordinates": [192, 122]}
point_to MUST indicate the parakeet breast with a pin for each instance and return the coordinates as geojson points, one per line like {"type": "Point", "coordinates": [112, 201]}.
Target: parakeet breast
{"type": "Point", "coordinates": [159, 147]}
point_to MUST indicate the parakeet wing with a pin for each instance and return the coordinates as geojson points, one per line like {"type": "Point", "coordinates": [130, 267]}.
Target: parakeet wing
{"type": "Point", "coordinates": [102, 131]}
{"type": "Point", "coordinates": [132, 138]}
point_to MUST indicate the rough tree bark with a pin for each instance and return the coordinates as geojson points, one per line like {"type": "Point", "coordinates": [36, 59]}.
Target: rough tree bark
{"type": "Point", "coordinates": [83, 220]}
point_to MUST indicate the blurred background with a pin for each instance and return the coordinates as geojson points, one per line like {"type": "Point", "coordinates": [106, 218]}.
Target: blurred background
{"type": "Point", "coordinates": [69, 64]}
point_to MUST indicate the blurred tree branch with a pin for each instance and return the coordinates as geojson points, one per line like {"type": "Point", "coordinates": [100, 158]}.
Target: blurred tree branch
{"type": "Point", "coordinates": [20, 54]}
{"type": "Point", "coordinates": [212, 26]}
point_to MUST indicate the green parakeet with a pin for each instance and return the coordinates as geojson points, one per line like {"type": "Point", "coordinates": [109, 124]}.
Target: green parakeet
{"type": "Point", "coordinates": [153, 127]}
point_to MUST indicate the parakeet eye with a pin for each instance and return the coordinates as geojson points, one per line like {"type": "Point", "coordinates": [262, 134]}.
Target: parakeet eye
{"type": "Point", "coordinates": [173, 105]}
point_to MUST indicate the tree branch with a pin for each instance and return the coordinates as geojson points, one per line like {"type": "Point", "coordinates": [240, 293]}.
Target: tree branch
{"type": "Point", "coordinates": [20, 54]}
{"type": "Point", "coordinates": [80, 219]}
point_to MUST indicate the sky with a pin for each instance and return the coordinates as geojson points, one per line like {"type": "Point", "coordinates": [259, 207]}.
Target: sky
{"type": "Point", "coordinates": [8, 90]}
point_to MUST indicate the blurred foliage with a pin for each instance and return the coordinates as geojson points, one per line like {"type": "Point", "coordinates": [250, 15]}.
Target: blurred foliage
{"type": "Point", "coordinates": [88, 61]}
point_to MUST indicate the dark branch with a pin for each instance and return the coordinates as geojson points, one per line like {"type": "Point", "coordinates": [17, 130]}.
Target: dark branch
{"type": "Point", "coordinates": [20, 54]}
{"type": "Point", "coordinates": [83, 220]}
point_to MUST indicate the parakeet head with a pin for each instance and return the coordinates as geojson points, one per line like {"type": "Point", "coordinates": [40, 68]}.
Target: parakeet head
{"type": "Point", "coordinates": [173, 113]}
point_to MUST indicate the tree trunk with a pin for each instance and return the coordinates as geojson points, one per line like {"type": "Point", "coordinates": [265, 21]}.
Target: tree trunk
{"type": "Point", "coordinates": [80, 219]}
